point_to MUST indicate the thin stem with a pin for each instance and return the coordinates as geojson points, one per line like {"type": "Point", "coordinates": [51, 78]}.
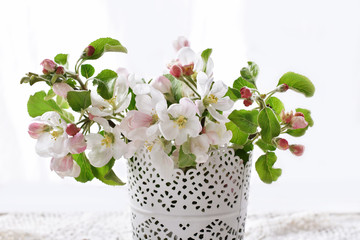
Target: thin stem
{"type": "Point", "coordinates": [185, 81]}
{"type": "Point", "coordinates": [77, 78]}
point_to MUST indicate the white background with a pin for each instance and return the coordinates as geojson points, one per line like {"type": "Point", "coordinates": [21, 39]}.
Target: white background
{"type": "Point", "coordinates": [320, 39]}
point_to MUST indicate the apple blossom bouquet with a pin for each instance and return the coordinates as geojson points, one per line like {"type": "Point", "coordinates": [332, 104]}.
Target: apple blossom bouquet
{"type": "Point", "coordinates": [179, 116]}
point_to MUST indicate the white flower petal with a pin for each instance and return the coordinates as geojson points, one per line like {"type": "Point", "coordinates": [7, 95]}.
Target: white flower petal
{"type": "Point", "coordinates": [104, 123]}
{"type": "Point", "coordinates": [100, 157]}
{"type": "Point", "coordinates": [219, 117]}
{"type": "Point", "coordinates": [186, 56]}
{"type": "Point", "coordinates": [48, 146]}
{"type": "Point", "coordinates": [161, 161]}
{"type": "Point", "coordinates": [203, 84]}
{"type": "Point", "coordinates": [169, 130]}
{"type": "Point", "coordinates": [223, 104]}
{"type": "Point", "coordinates": [144, 104]}
{"type": "Point", "coordinates": [219, 89]}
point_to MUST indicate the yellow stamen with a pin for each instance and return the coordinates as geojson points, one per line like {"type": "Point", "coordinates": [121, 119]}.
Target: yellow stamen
{"type": "Point", "coordinates": [56, 134]}
{"type": "Point", "coordinates": [112, 101]}
{"type": "Point", "coordinates": [155, 118]}
{"type": "Point", "coordinates": [212, 98]}
{"type": "Point", "coordinates": [108, 140]}
{"type": "Point", "coordinates": [181, 122]}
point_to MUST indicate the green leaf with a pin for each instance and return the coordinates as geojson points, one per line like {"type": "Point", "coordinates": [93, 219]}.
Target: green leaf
{"type": "Point", "coordinates": [186, 160]}
{"type": "Point", "coordinates": [301, 131]}
{"type": "Point", "coordinates": [245, 156]}
{"type": "Point", "coordinates": [37, 106]}
{"type": "Point", "coordinates": [86, 173]}
{"type": "Point", "coordinates": [233, 94]}
{"type": "Point", "coordinates": [238, 137]}
{"type": "Point", "coordinates": [246, 74]}
{"type": "Point", "coordinates": [79, 100]}
{"type": "Point", "coordinates": [254, 69]}
{"type": "Point", "coordinates": [176, 87]}
{"type": "Point", "coordinates": [264, 167]}
{"type": "Point", "coordinates": [61, 59]}
{"type": "Point", "coordinates": [49, 95]}
{"type": "Point", "coordinates": [241, 82]}
{"type": "Point", "coordinates": [61, 102]}
{"type": "Point", "coordinates": [275, 105]}
{"type": "Point", "coordinates": [103, 45]}
{"type": "Point", "coordinates": [71, 82]}
{"type": "Point", "coordinates": [264, 146]}
{"type": "Point", "coordinates": [298, 83]}
{"type": "Point", "coordinates": [106, 174]}
{"type": "Point", "coordinates": [132, 104]}
{"type": "Point", "coordinates": [87, 70]}
{"type": "Point", "coordinates": [245, 120]}
{"type": "Point", "coordinates": [205, 57]}
{"type": "Point", "coordinates": [270, 126]}
{"type": "Point", "coordinates": [106, 81]}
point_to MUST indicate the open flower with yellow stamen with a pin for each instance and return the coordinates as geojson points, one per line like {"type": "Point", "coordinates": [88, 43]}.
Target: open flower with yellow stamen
{"type": "Point", "coordinates": [118, 103]}
{"type": "Point", "coordinates": [212, 97]}
{"type": "Point", "coordinates": [102, 147]}
{"type": "Point", "coordinates": [52, 140]}
{"type": "Point", "coordinates": [180, 121]}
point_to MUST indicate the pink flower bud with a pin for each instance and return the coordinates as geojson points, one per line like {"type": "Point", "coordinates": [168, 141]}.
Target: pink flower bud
{"type": "Point", "coordinates": [62, 89]}
{"type": "Point", "coordinates": [48, 65]}
{"type": "Point", "coordinates": [286, 117]}
{"type": "Point", "coordinates": [248, 102]}
{"type": "Point", "coordinates": [65, 166]}
{"type": "Point", "coordinates": [162, 84]}
{"type": "Point", "coordinates": [181, 42]}
{"type": "Point", "coordinates": [245, 92]}
{"type": "Point", "coordinates": [77, 144]}
{"type": "Point", "coordinates": [60, 70]}
{"type": "Point", "coordinates": [283, 87]}
{"type": "Point", "coordinates": [71, 129]}
{"type": "Point", "coordinates": [176, 71]}
{"type": "Point", "coordinates": [298, 122]}
{"type": "Point", "coordinates": [297, 149]}
{"type": "Point", "coordinates": [282, 143]}
{"type": "Point", "coordinates": [36, 129]}
{"type": "Point", "coordinates": [89, 51]}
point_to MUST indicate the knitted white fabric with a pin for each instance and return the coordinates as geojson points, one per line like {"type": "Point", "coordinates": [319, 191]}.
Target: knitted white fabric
{"type": "Point", "coordinates": [116, 226]}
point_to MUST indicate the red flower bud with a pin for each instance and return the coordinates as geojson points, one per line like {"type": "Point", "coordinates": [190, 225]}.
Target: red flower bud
{"type": "Point", "coordinates": [248, 102]}
{"type": "Point", "coordinates": [176, 71]}
{"type": "Point", "coordinates": [46, 72]}
{"type": "Point", "coordinates": [297, 149]}
{"type": "Point", "coordinates": [299, 114]}
{"type": "Point", "coordinates": [283, 87]}
{"type": "Point", "coordinates": [89, 51]}
{"type": "Point", "coordinates": [71, 129]}
{"type": "Point", "coordinates": [245, 92]}
{"type": "Point", "coordinates": [60, 70]}
{"type": "Point", "coordinates": [282, 143]}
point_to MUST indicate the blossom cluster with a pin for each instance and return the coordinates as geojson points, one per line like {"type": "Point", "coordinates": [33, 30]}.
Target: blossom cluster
{"type": "Point", "coordinates": [178, 116]}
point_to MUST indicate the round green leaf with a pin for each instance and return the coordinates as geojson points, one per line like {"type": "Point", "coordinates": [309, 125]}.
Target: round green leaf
{"type": "Point", "coordinates": [87, 70]}
{"type": "Point", "coordinates": [245, 120]}
{"type": "Point", "coordinates": [264, 167]}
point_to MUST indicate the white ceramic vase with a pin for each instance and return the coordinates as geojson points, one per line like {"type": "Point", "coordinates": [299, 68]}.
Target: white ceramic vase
{"type": "Point", "coordinates": [209, 202]}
